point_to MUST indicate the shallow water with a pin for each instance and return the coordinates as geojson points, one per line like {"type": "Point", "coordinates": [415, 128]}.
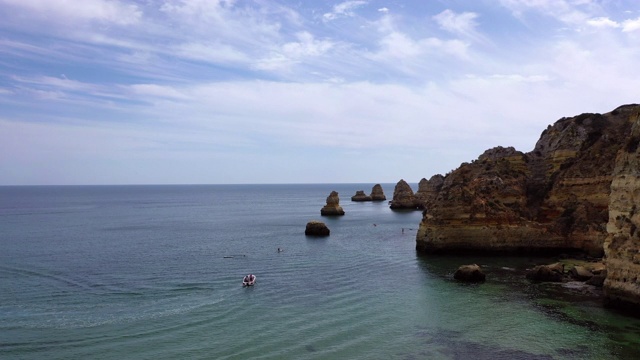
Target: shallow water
{"type": "Point", "coordinates": [155, 272]}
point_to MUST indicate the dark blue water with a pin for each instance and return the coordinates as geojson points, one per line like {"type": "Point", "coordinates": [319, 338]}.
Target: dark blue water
{"type": "Point", "coordinates": [141, 272]}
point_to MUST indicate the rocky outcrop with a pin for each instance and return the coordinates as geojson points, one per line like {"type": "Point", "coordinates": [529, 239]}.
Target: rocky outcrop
{"type": "Point", "coordinates": [469, 273]}
{"type": "Point", "coordinates": [316, 228]}
{"type": "Point", "coordinates": [554, 198]}
{"type": "Point", "coordinates": [377, 194]}
{"type": "Point", "coordinates": [360, 196]}
{"type": "Point", "coordinates": [428, 190]}
{"type": "Point", "coordinates": [546, 273]}
{"type": "Point", "coordinates": [333, 207]}
{"type": "Point", "coordinates": [403, 197]}
{"type": "Point", "coordinates": [580, 273]}
{"type": "Point", "coordinates": [622, 245]}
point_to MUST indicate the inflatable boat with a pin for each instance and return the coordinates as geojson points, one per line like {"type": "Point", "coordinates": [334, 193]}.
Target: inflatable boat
{"type": "Point", "coordinates": [249, 280]}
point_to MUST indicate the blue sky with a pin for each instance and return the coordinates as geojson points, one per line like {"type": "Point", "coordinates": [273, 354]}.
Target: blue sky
{"type": "Point", "coordinates": [215, 91]}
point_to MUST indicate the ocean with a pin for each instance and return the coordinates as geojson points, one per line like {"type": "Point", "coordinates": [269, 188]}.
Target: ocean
{"type": "Point", "coordinates": [155, 272]}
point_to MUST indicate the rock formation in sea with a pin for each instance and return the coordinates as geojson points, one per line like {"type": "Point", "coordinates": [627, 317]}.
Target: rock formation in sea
{"type": "Point", "coordinates": [546, 273]}
{"type": "Point", "coordinates": [403, 197]}
{"type": "Point", "coordinates": [316, 228]}
{"type": "Point", "coordinates": [469, 273]}
{"type": "Point", "coordinates": [553, 198]}
{"type": "Point", "coordinates": [622, 245]}
{"type": "Point", "coordinates": [333, 207]}
{"type": "Point", "coordinates": [360, 196]}
{"type": "Point", "coordinates": [377, 194]}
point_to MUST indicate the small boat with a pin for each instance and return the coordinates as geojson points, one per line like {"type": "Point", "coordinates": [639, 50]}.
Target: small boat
{"type": "Point", "coordinates": [249, 280]}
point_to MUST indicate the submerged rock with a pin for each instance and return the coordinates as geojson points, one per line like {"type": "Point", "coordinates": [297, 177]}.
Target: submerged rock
{"type": "Point", "coordinates": [316, 228]}
{"type": "Point", "coordinates": [469, 273]}
{"type": "Point", "coordinates": [546, 273]}
{"type": "Point", "coordinates": [333, 207]}
{"type": "Point", "coordinates": [580, 273]}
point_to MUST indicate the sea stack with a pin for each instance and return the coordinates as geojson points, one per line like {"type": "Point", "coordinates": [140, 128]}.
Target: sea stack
{"type": "Point", "coordinates": [316, 228]}
{"type": "Point", "coordinates": [360, 196]}
{"type": "Point", "coordinates": [333, 207]}
{"type": "Point", "coordinates": [403, 197]}
{"type": "Point", "coordinates": [377, 194]}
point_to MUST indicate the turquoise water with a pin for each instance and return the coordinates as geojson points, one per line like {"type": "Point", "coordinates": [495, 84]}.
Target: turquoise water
{"type": "Point", "coordinates": [140, 272]}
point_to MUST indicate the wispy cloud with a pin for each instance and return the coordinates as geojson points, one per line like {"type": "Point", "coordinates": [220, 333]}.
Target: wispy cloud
{"type": "Point", "coordinates": [463, 24]}
{"type": "Point", "coordinates": [344, 9]}
{"type": "Point", "coordinates": [62, 11]}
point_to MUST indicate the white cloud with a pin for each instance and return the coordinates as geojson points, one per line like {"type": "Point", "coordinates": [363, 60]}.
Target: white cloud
{"type": "Point", "coordinates": [631, 25]}
{"type": "Point", "coordinates": [383, 10]}
{"type": "Point", "coordinates": [603, 22]}
{"type": "Point", "coordinates": [344, 9]}
{"type": "Point", "coordinates": [397, 45]}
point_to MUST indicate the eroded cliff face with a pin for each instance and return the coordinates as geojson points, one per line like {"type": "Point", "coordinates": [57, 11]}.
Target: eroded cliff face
{"type": "Point", "coordinates": [622, 245]}
{"type": "Point", "coordinates": [554, 198]}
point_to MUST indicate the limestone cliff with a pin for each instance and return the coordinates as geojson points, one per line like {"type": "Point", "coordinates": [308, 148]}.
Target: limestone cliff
{"type": "Point", "coordinates": [555, 197]}
{"type": "Point", "coordinates": [622, 245]}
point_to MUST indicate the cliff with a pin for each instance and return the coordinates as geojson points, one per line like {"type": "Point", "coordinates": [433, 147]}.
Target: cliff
{"type": "Point", "coordinates": [554, 198]}
{"type": "Point", "coordinates": [622, 245]}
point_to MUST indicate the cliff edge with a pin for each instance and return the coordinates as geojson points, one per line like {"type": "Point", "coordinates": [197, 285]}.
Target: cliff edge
{"type": "Point", "coordinates": [554, 198]}
{"type": "Point", "coordinates": [622, 245]}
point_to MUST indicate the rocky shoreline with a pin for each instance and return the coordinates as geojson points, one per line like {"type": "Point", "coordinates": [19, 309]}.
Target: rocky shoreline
{"type": "Point", "coordinates": [577, 191]}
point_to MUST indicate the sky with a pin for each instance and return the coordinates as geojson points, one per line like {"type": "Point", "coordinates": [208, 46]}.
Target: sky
{"type": "Point", "coordinates": [258, 92]}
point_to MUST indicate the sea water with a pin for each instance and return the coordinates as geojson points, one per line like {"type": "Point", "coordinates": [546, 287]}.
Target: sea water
{"type": "Point", "coordinates": [155, 272]}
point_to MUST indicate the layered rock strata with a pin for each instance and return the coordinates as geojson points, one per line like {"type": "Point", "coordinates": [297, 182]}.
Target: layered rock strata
{"type": "Point", "coordinates": [622, 245]}
{"type": "Point", "coordinates": [332, 208]}
{"type": "Point", "coordinates": [554, 198]}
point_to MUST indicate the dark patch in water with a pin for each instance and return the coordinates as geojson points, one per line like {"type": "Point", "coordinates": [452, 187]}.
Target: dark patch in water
{"type": "Point", "coordinates": [452, 346]}
{"type": "Point", "coordinates": [557, 313]}
{"type": "Point", "coordinates": [580, 352]}
{"type": "Point", "coordinates": [310, 348]}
